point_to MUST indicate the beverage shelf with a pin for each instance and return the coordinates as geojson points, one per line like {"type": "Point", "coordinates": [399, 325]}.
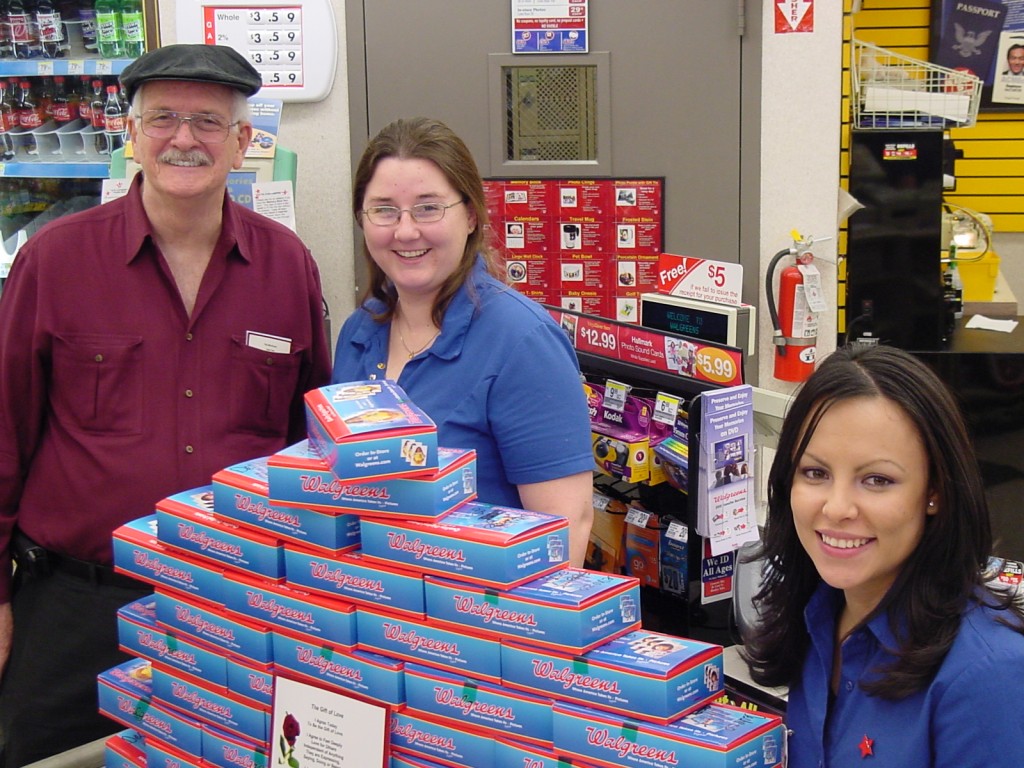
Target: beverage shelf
{"type": "Point", "coordinates": [60, 170]}
{"type": "Point", "coordinates": [71, 66]}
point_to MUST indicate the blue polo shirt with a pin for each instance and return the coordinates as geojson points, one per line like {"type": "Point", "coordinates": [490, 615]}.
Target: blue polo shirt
{"type": "Point", "coordinates": [502, 378]}
{"type": "Point", "coordinates": [972, 714]}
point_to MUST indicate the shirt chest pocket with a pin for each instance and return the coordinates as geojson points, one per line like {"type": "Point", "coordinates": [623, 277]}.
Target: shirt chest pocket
{"type": "Point", "coordinates": [263, 388]}
{"type": "Point", "coordinates": [97, 383]}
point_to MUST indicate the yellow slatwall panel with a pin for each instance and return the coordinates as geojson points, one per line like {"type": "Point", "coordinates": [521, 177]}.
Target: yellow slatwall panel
{"type": "Point", "coordinates": [990, 177]}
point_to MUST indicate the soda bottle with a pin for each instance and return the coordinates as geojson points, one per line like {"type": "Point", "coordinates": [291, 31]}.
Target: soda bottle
{"type": "Point", "coordinates": [61, 105]}
{"type": "Point", "coordinates": [30, 114]}
{"type": "Point", "coordinates": [85, 99]}
{"type": "Point", "coordinates": [108, 29]}
{"type": "Point", "coordinates": [6, 123]}
{"type": "Point", "coordinates": [5, 32]}
{"type": "Point", "coordinates": [115, 118]}
{"type": "Point", "coordinates": [96, 107]}
{"type": "Point", "coordinates": [44, 96]}
{"type": "Point", "coordinates": [24, 41]}
{"type": "Point", "coordinates": [87, 18]}
{"type": "Point", "coordinates": [133, 33]}
{"type": "Point", "coordinates": [51, 29]}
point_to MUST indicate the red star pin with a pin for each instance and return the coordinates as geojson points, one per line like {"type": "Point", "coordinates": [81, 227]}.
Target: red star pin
{"type": "Point", "coordinates": [867, 746]}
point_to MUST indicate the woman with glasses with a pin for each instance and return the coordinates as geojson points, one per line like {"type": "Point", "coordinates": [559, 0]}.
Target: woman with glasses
{"type": "Point", "coordinates": [878, 608]}
{"type": "Point", "coordinates": [489, 366]}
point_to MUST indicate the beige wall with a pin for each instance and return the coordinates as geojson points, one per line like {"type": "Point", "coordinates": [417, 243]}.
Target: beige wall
{"type": "Point", "coordinates": [319, 133]}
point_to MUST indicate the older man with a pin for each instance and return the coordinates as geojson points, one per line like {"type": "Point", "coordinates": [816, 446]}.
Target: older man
{"type": "Point", "coordinates": [144, 344]}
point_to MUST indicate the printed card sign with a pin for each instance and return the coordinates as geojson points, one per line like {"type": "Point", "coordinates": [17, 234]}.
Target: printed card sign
{"type": "Point", "coordinates": [725, 513]}
{"type": "Point", "coordinates": [701, 279]}
{"type": "Point", "coordinates": [315, 728]}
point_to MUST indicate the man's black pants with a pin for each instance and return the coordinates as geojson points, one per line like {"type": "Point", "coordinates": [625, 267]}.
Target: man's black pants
{"type": "Point", "coordinates": [65, 633]}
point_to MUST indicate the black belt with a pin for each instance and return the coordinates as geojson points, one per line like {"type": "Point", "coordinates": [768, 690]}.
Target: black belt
{"type": "Point", "coordinates": [94, 573]}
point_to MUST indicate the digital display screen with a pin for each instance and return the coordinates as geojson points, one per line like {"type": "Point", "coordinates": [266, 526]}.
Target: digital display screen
{"type": "Point", "coordinates": [687, 321]}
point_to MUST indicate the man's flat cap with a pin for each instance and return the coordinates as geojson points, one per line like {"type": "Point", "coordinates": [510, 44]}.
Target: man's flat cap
{"type": "Point", "coordinates": [199, 63]}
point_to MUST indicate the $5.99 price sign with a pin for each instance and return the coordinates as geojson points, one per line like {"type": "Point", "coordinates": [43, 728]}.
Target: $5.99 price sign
{"type": "Point", "coordinates": [692, 358]}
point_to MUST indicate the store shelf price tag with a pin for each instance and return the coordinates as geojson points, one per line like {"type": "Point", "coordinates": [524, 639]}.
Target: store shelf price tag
{"type": "Point", "coordinates": [678, 531]}
{"type": "Point", "coordinates": [104, 67]}
{"type": "Point", "coordinates": [601, 501]}
{"type": "Point", "coordinates": [666, 408]}
{"type": "Point", "coordinates": [76, 66]}
{"type": "Point", "coordinates": [615, 393]}
{"type": "Point", "coordinates": [638, 517]}
{"type": "Point", "coordinates": [45, 67]}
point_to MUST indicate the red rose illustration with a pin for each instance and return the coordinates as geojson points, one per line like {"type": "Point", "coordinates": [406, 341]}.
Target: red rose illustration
{"type": "Point", "coordinates": [290, 728]}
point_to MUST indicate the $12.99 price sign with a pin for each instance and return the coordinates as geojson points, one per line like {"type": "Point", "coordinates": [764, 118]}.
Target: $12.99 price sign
{"type": "Point", "coordinates": [691, 358]}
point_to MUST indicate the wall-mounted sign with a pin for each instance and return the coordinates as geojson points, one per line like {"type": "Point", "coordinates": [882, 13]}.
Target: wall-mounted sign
{"type": "Point", "coordinates": [984, 38]}
{"type": "Point", "coordinates": [550, 27]}
{"type": "Point", "coordinates": [293, 45]}
{"type": "Point", "coordinates": [794, 16]}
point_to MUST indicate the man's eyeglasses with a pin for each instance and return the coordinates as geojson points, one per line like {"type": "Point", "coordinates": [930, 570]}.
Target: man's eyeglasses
{"type": "Point", "coordinates": [163, 124]}
{"type": "Point", "coordinates": [424, 213]}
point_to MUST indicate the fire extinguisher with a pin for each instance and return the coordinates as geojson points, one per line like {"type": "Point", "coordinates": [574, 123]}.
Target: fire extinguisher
{"type": "Point", "coordinates": [794, 322]}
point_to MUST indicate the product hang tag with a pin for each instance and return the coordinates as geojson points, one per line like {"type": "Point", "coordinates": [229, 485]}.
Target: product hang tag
{"type": "Point", "coordinates": [638, 517]}
{"type": "Point", "coordinates": [812, 287]}
{"type": "Point", "coordinates": [666, 408]}
{"type": "Point", "coordinates": [677, 531]}
{"type": "Point", "coordinates": [615, 394]}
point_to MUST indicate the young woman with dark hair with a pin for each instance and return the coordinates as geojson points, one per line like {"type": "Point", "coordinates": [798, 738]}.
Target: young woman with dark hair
{"type": "Point", "coordinates": [877, 607]}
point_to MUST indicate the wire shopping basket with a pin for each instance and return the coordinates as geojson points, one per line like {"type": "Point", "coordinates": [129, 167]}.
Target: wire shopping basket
{"type": "Point", "coordinates": [890, 90]}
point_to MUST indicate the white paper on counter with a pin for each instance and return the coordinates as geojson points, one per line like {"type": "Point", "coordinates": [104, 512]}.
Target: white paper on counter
{"type": "Point", "coordinates": [991, 324]}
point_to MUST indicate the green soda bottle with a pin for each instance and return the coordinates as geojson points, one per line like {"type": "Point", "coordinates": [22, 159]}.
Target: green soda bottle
{"type": "Point", "coordinates": [108, 29]}
{"type": "Point", "coordinates": [133, 33]}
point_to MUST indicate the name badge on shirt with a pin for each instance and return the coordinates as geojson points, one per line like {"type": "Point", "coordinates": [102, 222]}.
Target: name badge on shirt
{"type": "Point", "coordinates": [268, 343]}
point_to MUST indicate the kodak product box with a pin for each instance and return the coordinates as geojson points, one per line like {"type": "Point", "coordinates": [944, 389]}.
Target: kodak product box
{"type": "Point", "coordinates": [240, 496]}
{"type": "Point", "coordinates": [716, 736]}
{"type": "Point", "coordinates": [125, 750]}
{"type": "Point", "coordinates": [650, 675]}
{"type": "Point", "coordinates": [572, 610]}
{"type": "Point", "coordinates": [469, 703]}
{"type": "Point", "coordinates": [298, 477]}
{"type": "Point", "coordinates": [210, 624]}
{"type": "Point", "coordinates": [251, 681]}
{"type": "Point", "coordinates": [185, 524]}
{"type": "Point", "coordinates": [425, 642]}
{"type": "Point", "coordinates": [368, 675]}
{"type": "Point", "coordinates": [132, 705]}
{"type": "Point", "coordinates": [421, 734]}
{"type": "Point", "coordinates": [370, 430]}
{"type": "Point", "coordinates": [225, 750]}
{"type": "Point", "coordinates": [350, 577]}
{"type": "Point", "coordinates": [289, 610]}
{"type": "Point", "coordinates": [483, 543]}
{"type": "Point", "coordinates": [139, 554]}
{"type": "Point", "coordinates": [159, 753]}
{"type": "Point", "coordinates": [675, 462]}
{"type": "Point", "coordinates": [217, 706]}
{"type": "Point", "coordinates": [139, 635]}
{"type": "Point", "coordinates": [622, 439]}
